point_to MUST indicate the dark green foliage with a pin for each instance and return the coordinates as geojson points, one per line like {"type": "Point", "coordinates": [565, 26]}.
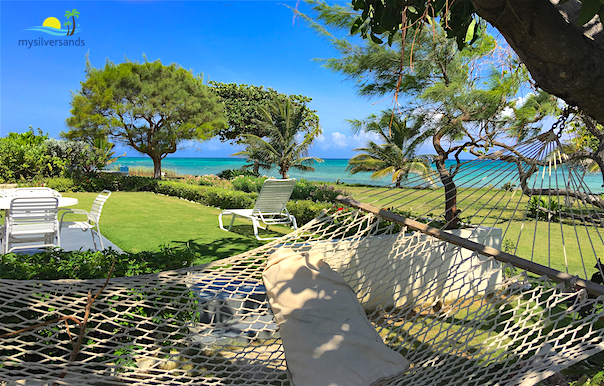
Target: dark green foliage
{"type": "Point", "coordinates": [62, 184]}
{"type": "Point", "coordinates": [229, 174]}
{"type": "Point", "coordinates": [305, 211]}
{"type": "Point", "coordinates": [242, 103]}
{"type": "Point", "coordinates": [248, 184]}
{"type": "Point", "coordinates": [59, 264]}
{"type": "Point", "coordinates": [25, 157]}
{"type": "Point", "coordinates": [33, 156]}
{"type": "Point", "coordinates": [147, 106]}
{"type": "Point", "coordinates": [537, 204]}
{"type": "Point", "coordinates": [210, 196]}
{"type": "Point", "coordinates": [315, 191]}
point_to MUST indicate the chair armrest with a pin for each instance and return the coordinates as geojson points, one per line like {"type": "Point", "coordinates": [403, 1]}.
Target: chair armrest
{"type": "Point", "coordinates": [73, 211]}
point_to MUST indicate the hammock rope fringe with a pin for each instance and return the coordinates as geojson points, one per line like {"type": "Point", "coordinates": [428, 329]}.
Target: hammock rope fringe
{"type": "Point", "coordinates": [511, 296]}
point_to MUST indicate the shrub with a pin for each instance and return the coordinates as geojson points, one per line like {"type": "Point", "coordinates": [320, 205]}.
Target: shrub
{"type": "Point", "coordinates": [315, 191]}
{"type": "Point", "coordinates": [24, 157]}
{"type": "Point", "coordinates": [95, 182]}
{"type": "Point", "coordinates": [62, 184]}
{"type": "Point", "coordinates": [305, 211]}
{"type": "Point", "coordinates": [136, 184]}
{"type": "Point", "coordinates": [248, 184]}
{"type": "Point", "coordinates": [209, 180]}
{"type": "Point", "coordinates": [210, 196]}
{"type": "Point", "coordinates": [534, 211]}
{"type": "Point", "coordinates": [59, 264]}
{"type": "Point", "coordinates": [229, 174]}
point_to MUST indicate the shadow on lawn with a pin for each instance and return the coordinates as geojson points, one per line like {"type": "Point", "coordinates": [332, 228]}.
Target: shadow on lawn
{"type": "Point", "coordinates": [231, 244]}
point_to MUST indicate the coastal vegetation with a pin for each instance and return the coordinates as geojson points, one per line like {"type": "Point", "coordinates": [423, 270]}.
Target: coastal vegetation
{"type": "Point", "coordinates": [148, 106]}
{"type": "Point", "coordinates": [396, 154]}
{"type": "Point", "coordinates": [283, 122]}
{"type": "Point", "coordinates": [458, 101]}
{"type": "Point", "coordinates": [242, 102]}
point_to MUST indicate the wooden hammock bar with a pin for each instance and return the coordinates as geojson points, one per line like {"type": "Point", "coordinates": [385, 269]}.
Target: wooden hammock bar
{"type": "Point", "coordinates": [591, 287]}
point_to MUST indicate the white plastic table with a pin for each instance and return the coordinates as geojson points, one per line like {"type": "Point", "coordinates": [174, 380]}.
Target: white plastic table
{"type": "Point", "coordinates": [63, 201]}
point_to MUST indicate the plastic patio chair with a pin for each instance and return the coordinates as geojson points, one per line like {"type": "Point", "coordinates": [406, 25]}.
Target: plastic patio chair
{"type": "Point", "coordinates": [32, 221]}
{"type": "Point", "coordinates": [92, 218]}
{"type": "Point", "coordinates": [269, 207]}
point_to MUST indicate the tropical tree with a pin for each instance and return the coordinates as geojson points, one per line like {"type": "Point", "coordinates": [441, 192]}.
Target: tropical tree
{"type": "Point", "coordinates": [396, 154]}
{"type": "Point", "coordinates": [284, 124]}
{"type": "Point", "coordinates": [73, 14]}
{"type": "Point", "coordinates": [67, 23]}
{"type": "Point", "coordinates": [459, 101]}
{"type": "Point", "coordinates": [242, 104]}
{"type": "Point", "coordinates": [255, 158]}
{"type": "Point", "coordinates": [559, 42]}
{"type": "Point", "coordinates": [148, 106]}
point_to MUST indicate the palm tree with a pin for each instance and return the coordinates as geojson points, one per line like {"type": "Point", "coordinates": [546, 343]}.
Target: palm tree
{"type": "Point", "coordinates": [73, 14]}
{"type": "Point", "coordinates": [396, 155]}
{"type": "Point", "coordinates": [67, 23]}
{"type": "Point", "coordinates": [254, 157]}
{"type": "Point", "coordinates": [284, 123]}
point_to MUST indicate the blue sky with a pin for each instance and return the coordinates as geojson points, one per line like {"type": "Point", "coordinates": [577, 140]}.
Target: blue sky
{"type": "Point", "coordinates": [244, 42]}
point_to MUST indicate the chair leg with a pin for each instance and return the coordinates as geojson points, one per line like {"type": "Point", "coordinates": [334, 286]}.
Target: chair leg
{"type": "Point", "coordinates": [93, 240]}
{"type": "Point", "coordinates": [98, 233]}
{"type": "Point", "coordinates": [256, 225]}
{"type": "Point", "coordinates": [232, 221]}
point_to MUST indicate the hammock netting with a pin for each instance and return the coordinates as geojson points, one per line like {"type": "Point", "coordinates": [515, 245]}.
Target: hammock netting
{"type": "Point", "coordinates": [508, 297]}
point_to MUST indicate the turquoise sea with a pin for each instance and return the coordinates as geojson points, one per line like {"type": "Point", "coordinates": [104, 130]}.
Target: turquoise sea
{"type": "Point", "coordinates": [475, 174]}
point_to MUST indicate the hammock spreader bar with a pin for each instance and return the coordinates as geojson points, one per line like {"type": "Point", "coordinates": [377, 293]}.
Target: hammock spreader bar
{"type": "Point", "coordinates": [591, 287]}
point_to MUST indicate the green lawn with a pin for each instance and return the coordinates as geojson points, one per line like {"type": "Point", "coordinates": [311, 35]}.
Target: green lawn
{"type": "Point", "coordinates": [143, 221]}
{"type": "Point", "coordinates": [140, 221]}
{"type": "Point", "coordinates": [556, 244]}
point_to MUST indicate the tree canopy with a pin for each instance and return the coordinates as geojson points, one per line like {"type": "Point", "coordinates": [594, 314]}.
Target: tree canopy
{"type": "Point", "coordinates": [560, 42]}
{"type": "Point", "coordinates": [242, 104]}
{"type": "Point", "coordinates": [284, 124]}
{"type": "Point", "coordinates": [148, 106]}
{"type": "Point", "coordinates": [459, 101]}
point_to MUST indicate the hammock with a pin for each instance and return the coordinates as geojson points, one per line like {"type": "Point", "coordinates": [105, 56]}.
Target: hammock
{"type": "Point", "coordinates": [509, 297]}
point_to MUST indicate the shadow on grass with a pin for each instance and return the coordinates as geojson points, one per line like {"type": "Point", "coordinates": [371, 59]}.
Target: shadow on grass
{"type": "Point", "coordinates": [240, 239]}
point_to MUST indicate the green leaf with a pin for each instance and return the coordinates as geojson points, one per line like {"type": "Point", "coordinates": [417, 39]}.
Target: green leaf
{"type": "Point", "coordinates": [470, 31]}
{"type": "Point", "coordinates": [376, 40]}
{"type": "Point", "coordinates": [588, 11]}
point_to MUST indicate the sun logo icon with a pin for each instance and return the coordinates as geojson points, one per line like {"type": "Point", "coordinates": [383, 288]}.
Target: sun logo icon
{"type": "Point", "coordinates": [52, 25]}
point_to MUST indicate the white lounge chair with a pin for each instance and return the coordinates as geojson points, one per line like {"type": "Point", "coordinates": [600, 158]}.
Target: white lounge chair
{"type": "Point", "coordinates": [92, 218]}
{"type": "Point", "coordinates": [32, 223]}
{"type": "Point", "coordinates": [269, 208]}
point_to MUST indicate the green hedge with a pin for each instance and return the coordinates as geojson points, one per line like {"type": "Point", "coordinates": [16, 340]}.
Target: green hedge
{"type": "Point", "coordinates": [59, 264]}
{"type": "Point", "coordinates": [305, 211]}
{"type": "Point", "coordinates": [210, 196]}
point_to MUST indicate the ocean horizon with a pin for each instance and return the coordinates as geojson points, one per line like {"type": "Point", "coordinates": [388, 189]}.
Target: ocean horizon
{"type": "Point", "coordinates": [331, 170]}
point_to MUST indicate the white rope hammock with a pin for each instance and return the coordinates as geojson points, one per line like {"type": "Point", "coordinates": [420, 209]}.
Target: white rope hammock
{"type": "Point", "coordinates": [505, 300]}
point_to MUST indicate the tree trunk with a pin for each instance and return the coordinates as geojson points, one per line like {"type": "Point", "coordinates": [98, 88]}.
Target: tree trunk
{"type": "Point", "coordinates": [564, 60]}
{"type": "Point", "coordinates": [450, 194]}
{"type": "Point", "coordinates": [447, 180]}
{"type": "Point", "coordinates": [156, 166]}
{"type": "Point", "coordinates": [256, 167]}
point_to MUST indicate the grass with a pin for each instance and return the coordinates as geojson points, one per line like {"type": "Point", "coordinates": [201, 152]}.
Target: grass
{"type": "Point", "coordinates": [559, 245]}
{"type": "Point", "coordinates": [143, 221]}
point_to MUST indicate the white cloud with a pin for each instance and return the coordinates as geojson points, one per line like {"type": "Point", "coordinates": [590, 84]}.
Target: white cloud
{"type": "Point", "coordinates": [337, 140]}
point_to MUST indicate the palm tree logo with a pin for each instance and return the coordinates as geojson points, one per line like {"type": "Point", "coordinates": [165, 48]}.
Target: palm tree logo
{"type": "Point", "coordinates": [73, 14]}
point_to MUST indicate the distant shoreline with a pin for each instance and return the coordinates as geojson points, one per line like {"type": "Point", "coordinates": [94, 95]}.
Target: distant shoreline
{"type": "Point", "coordinates": [333, 170]}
